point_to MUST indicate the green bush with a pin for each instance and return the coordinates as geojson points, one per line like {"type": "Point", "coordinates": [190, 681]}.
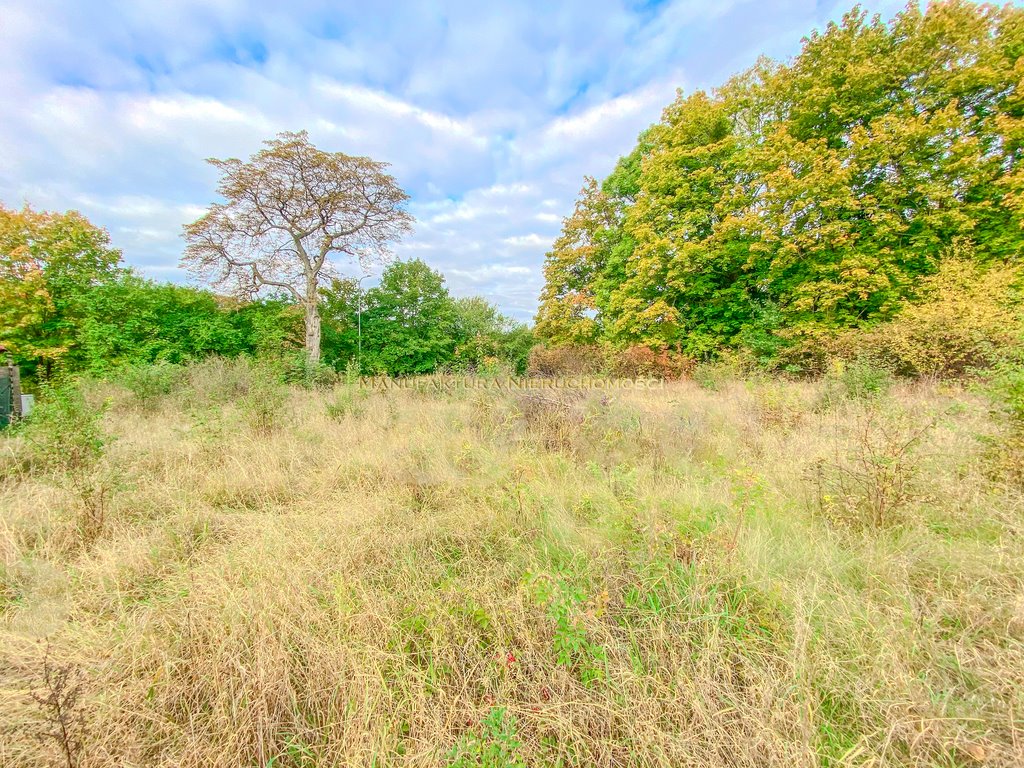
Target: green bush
{"type": "Point", "coordinates": [65, 431]}
{"type": "Point", "coordinates": [298, 369]}
{"type": "Point", "coordinates": [859, 379]}
{"type": "Point", "coordinates": [149, 383]}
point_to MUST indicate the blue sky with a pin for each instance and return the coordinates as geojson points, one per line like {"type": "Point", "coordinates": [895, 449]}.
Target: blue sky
{"type": "Point", "coordinates": [490, 113]}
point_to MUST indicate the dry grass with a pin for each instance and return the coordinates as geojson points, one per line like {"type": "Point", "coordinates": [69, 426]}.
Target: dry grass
{"type": "Point", "coordinates": [623, 578]}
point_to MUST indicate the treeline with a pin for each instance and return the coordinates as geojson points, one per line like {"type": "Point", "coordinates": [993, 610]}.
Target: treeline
{"type": "Point", "coordinates": [69, 304]}
{"type": "Point", "coordinates": [866, 196]}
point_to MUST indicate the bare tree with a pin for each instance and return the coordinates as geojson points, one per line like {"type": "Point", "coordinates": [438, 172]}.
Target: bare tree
{"type": "Point", "coordinates": [287, 211]}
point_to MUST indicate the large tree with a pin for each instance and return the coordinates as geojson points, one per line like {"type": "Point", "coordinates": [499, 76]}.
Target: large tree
{"type": "Point", "coordinates": [409, 321]}
{"type": "Point", "coordinates": [50, 265]}
{"type": "Point", "coordinates": [805, 198]}
{"type": "Point", "coordinates": [287, 212]}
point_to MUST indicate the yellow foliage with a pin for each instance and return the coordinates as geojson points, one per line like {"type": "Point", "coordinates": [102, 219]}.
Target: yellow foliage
{"type": "Point", "coordinates": [968, 316]}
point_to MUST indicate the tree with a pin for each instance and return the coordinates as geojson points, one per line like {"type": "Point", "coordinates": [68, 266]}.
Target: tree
{"type": "Point", "coordinates": [408, 321]}
{"type": "Point", "coordinates": [50, 263]}
{"type": "Point", "coordinates": [807, 198]}
{"type": "Point", "coordinates": [482, 333]}
{"type": "Point", "coordinates": [134, 320]}
{"type": "Point", "coordinates": [288, 210]}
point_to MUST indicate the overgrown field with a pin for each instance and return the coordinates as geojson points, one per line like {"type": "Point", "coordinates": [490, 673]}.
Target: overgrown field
{"type": "Point", "coordinates": [225, 572]}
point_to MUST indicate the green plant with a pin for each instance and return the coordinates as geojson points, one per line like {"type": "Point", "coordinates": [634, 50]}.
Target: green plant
{"type": "Point", "coordinates": [862, 378]}
{"type": "Point", "coordinates": [151, 382]}
{"type": "Point", "coordinates": [263, 405]}
{"type": "Point", "coordinates": [1006, 451]}
{"type": "Point", "coordinates": [493, 744]}
{"type": "Point", "coordinates": [299, 369]}
{"type": "Point", "coordinates": [65, 431]}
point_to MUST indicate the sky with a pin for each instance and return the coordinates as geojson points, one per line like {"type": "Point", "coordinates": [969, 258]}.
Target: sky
{"type": "Point", "coordinates": [490, 113]}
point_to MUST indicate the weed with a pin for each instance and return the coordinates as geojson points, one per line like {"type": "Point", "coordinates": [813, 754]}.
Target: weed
{"type": "Point", "coordinates": [263, 405]}
{"type": "Point", "coordinates": [859, 379]}
{"type": "Point", "coordinates": [65, 431]}
{"type": "Point", "coordinates": [59, 702]}
{"type": "Point", "coordinates": [874, 481]}
{"type": "Point", "coordinates": [493, 744]}
{"type": "Point", "coordinates": [151, 383]}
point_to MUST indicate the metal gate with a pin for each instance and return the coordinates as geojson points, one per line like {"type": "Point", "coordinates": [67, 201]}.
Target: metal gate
{"type": "Point", "coordinates": [10, 393]}
{"type": "Point", "coordinates": [6, 397]}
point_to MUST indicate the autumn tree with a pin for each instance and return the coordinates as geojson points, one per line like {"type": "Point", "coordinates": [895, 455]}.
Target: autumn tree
{"type": "Point", "coordinates": [50, 265]}
{"type": "Point", "coordinates": [808, 198]}
{"type": "Point", "coordinates": [288, 212]}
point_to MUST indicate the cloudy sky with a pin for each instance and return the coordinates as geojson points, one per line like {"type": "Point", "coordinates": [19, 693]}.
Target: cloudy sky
{"type": "Point", "coordinates": [489, 112]}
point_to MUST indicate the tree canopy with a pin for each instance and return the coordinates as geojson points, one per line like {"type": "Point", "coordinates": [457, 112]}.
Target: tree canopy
{"type": "Point", "coordinates": [288, 210]}
{"type": "Point", "coordinates": [806, 197]}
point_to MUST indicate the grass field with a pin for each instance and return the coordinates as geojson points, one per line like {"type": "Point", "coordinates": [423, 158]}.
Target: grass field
{"type": "Point", "coordinates": [749, 573]}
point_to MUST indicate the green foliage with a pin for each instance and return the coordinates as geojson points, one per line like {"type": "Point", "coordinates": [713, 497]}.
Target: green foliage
{"type": "Point", "coordinates": [1006, 385]}
{"type": "Point", "coordinates": [967, 317]}
{"type": "Point", "coordinates": [150, 383]}
{"type": "Point", "coordinates": [297, 368]}
{"type": "Point", "coordinates": [65, 430]}
{"type": "Point", "coordinates": [805, 199]}
{"type": "Point", "coordinates": [263, 404]}
{"type": "Point", "coordinates": [494, 744]}
{"type": "Point", "coordinates": [133, 321]}
{"type": "Point", "coordinates": [859, 379]}
{"type": "Point", "coordinates": [49, 265]}
{"type": "Point", "coordinates": [409, 321]}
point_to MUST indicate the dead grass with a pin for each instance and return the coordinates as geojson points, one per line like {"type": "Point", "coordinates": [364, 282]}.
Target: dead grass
{"type": "Point", "coordinates": [485, 578]}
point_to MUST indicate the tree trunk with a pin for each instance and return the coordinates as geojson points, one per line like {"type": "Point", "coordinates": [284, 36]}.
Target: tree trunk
{"type": "Point", "coordinates": [312, 325]}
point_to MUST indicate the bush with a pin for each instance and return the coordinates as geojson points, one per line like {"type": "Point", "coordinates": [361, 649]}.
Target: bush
{"type": "Point", "coordinates": [349, 397]}
{"type": "Point", "coordinates": [64, 430]}
{"type": "Point", "coordinates": [640, 361]}
{"type": "Point", "coordinates": [151, 382]}
{"type": "Point", "coordinates": [876, 479]}
{"type": "Point", "coordinates": [859, 379]}
{"type": "Point", "coordinates": [298, 369]}
{"type": "Point", "coordinates": [968, 318]}
{"type": "Point", "coordinates": [565, 361]}
{"type": "Point", "coordinates": [1006, 453]}
{"type": "Point", "coordinates": [713, 374]}
{"type": "Point", "coordinates": [263, 405]}
{"type": "Point", "coordinates": [220, 379]}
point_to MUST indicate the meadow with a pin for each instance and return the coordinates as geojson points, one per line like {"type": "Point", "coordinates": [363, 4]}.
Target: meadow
{"type": "Point", "coordinates": [208, 568]}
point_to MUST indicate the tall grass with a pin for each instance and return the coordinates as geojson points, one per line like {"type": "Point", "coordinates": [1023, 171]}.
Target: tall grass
{"type": "Point", "coordinates": [490, 578]}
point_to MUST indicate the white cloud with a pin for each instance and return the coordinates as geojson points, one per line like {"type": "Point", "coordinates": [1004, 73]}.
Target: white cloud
{"type": "Point", "coordinates": [490, 114]}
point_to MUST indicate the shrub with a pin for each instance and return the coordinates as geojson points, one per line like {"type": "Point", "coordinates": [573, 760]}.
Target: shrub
{"type": "Point", "coordinates": [298, 369]}
{"type": "Point", "coordinates": [859, 379]}
{"type": "Point", "coordinates": [1006, 453]}
{"type": "Point", "coordinates": [64, 430]}
{"type": "Point", "coordinates": [151, 382]}
{"type": "Point", "coordinates": [968, 318]}
{"type": "Point", "coordinates": [875, 480]}
{"type": "Point", "coordinates": [642, 361]}
{"type": "Point", "coordinates": [713, 374]}
{"type": "Point", "coordinates": [263, 405]}
{"type": "Point", "coordinates": [565, 361]}
{"type": "Point", "coordinates": [219, 379]}
{"type": "Point", "coordinates": [349, 397]}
